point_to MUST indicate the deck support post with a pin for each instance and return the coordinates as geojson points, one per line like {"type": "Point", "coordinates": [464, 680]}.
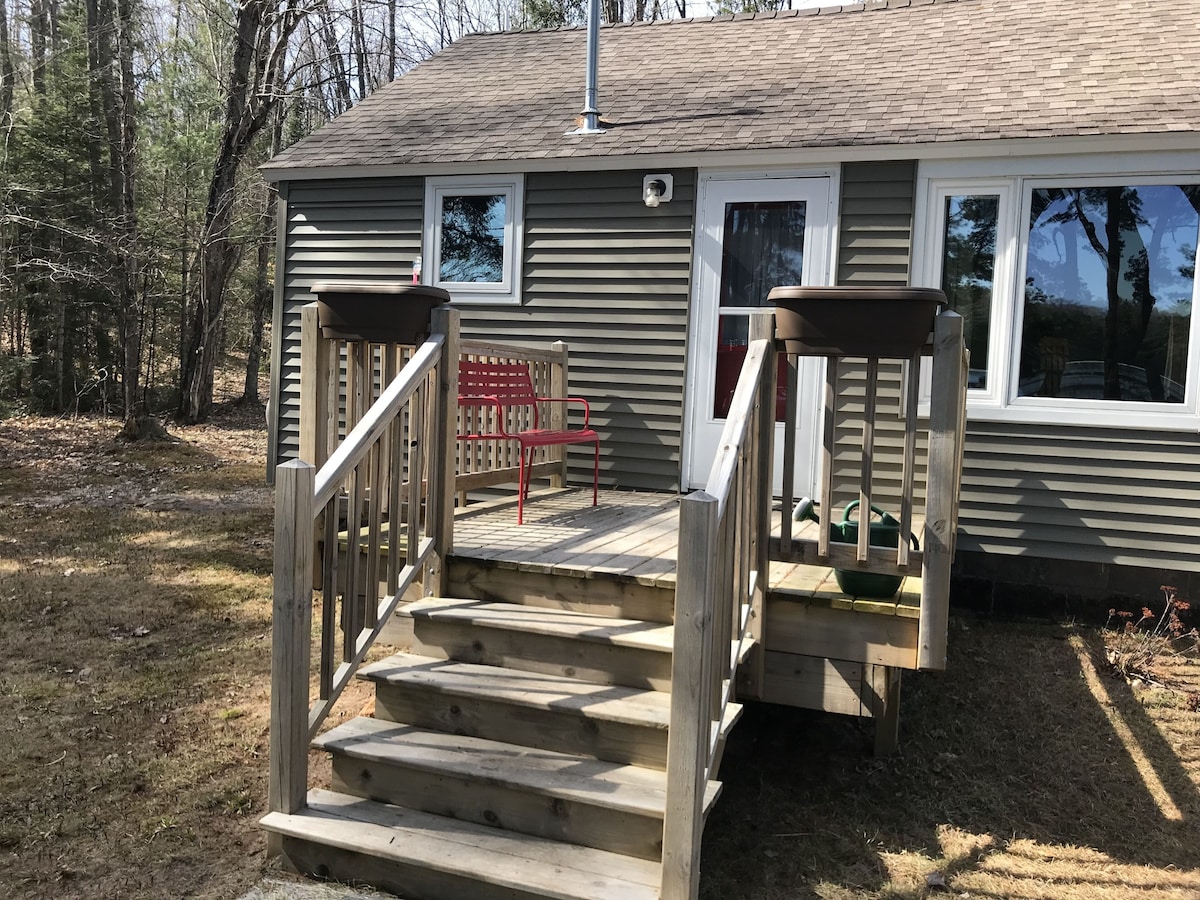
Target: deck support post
{"type": "Point", "coordinates": [291, 636]}
{"type": "Point", "coordinates": [691, 683]}
{"type": "Point", "coordinates": [945, 437]}
{"type": "Point", "coordinates": [887, 715]}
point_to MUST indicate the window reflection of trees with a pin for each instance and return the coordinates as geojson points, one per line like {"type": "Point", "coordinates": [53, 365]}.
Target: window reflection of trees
{"type": "Point", "coordinates": [1108, 290]}
{"type": "Point", "coordinates": [763, 247]}
{"type": "Point", "coordinates": [968, 272]}
{"type": "Point", "coordinates": [472, 239]}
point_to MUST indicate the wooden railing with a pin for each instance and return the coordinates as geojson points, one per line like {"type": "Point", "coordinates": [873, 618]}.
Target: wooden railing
{"type": "Point", "coordinates": [721, 585]}
{"type": "Point", "coordinates": [943, 464]}
{"type": "Point", "coordinates": [394, 472]}
{"type": "Point", "coordinates": [340, 380]}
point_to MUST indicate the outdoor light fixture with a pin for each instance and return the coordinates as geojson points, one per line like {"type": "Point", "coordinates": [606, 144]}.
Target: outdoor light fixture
{"type": "Point", "coordinates": [657, 189]}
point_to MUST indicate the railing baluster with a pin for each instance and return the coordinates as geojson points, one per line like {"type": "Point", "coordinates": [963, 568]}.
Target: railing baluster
{"type": "Point", "coordinates": [789, 451]}
{"type": "Point", "coordinates": [374, 531]}
{"type": "Point", "coordinates": [911, 398]}
{"type": "Point", "coordinates": [868, 460]}
{"type": "Point", "coordinates": [396, 456]}
{"type": "Point", "coordinates": [329, 594]}
{"type": "Point", "coordinates": [416, 463]}
{"type": "Point", "coordinates": [829, 446]}
{"type": "Point", "coordinates": [351, 598]}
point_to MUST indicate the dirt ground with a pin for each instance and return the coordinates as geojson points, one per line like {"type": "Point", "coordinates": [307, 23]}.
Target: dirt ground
{"type": "Point", "coordinates": [134, 659]}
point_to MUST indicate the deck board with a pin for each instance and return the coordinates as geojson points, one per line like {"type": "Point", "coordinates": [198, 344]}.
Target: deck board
{"type": "Point", "coordinates": [564, 534]}
{"type": "Point", "coordinates": [630, 536]}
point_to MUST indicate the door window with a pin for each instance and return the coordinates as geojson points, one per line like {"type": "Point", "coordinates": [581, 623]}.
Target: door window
{"type": "Point", "coordinates": [762, 248]}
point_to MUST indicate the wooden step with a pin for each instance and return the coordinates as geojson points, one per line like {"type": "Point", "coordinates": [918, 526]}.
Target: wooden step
{"type": "Point", "coordinates": [549, 712]}
{"type": "Point", "coordinates": [596, 592]}
{"type": "Point", "coordinates": [594, 648]}
{"type": "Point", "coordinates": [559, 796]}
{"type": "Point", "coordinates": [426, 857]}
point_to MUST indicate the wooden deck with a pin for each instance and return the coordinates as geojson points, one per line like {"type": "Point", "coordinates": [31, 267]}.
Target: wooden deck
{"type": "Point", "coordinates": [630, 536]}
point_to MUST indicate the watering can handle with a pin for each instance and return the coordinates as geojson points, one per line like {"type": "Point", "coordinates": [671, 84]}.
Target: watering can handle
{"type": "Point", "coordinates": [886, 517]}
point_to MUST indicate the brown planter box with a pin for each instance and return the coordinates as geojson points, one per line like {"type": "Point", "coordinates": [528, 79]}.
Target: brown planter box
{"type": "Point", "coordinates": [379, 313]}
{"type": "Point", "coordinates": [854, 321]}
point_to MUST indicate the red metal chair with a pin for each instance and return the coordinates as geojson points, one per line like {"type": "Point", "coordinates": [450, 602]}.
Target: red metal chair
{"type": "Point", "coordinates": [503, 386]}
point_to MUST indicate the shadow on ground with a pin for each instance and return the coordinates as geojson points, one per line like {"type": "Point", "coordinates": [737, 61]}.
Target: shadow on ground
{"type": "Point", "coordinates": [1023, 771]}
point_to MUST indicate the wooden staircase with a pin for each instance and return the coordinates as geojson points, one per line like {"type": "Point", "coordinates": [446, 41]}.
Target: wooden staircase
{"type": "Point", "coordinates": [516, 751]}
{"type": "Point", "coordinates": [538, 738]}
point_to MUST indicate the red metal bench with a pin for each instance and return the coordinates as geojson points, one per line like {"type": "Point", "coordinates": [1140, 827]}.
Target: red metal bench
{"type": "Point", "coordinates": [503, 386]}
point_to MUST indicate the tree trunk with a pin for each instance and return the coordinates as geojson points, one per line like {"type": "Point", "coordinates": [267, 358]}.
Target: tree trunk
{"type": "Point", "coordinates": [7, 75]}
{"type": "Point", "coordinates": [125, 169]}
{"type": "Point", "coordinates": [1112, 319]}
{"type": "Point", "coordinates": [254, 70]}
{"type": "Point", "coordinates": [113, 92]}
{"type": "Point", "coordinates": [391, 41]}
{"type": "Point", "coordinates": [263, 295]}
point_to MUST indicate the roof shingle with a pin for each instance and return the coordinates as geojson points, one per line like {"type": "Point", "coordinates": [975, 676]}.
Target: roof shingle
{"type": "Point", "coordinates": [894, 72]}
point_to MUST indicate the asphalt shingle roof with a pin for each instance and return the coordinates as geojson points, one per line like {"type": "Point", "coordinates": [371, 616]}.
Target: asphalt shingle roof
{"type": "Point", "coordinates": [884, 72]}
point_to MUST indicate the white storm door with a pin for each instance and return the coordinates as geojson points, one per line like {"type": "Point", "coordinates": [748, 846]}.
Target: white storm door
{"type": "Point", "coordinates": [752, 235]}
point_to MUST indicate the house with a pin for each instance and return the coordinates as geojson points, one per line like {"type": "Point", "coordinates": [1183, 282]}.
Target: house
{"type": "Point", "coordinates": [1039, 159]}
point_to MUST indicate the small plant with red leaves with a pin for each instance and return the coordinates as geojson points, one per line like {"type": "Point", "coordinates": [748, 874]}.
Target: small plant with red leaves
{"type": "Point", "coordinates": [1136, 647]}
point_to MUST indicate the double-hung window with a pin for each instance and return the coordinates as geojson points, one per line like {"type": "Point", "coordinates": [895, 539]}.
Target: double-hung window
{"type": "Point", "coordinates": [473, 235]}
{"type": "Point", "coordinates": [1076, 293]}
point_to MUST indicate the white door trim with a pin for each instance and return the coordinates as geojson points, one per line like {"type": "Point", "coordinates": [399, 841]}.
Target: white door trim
{"type": "Point", "coordinates": [825, 260]}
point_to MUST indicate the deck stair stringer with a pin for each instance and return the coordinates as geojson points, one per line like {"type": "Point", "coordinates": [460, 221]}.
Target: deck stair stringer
{"type": "Point", "coordinates": [516, 751]}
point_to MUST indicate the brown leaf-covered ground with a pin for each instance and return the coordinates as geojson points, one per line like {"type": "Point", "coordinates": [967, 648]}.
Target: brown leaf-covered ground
{"type": "Point", "coordinates": [134, 656]}
{"type": "Point", "coordinates": [134, 653]}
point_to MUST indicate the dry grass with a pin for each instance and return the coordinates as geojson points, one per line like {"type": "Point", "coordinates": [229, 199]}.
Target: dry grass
{"type": "Point", "coordinates": [1025, 771]}
{"type": "Point", "coordinates": [134, 639]}
{"type": "Point", "coordinates": [134, 651]}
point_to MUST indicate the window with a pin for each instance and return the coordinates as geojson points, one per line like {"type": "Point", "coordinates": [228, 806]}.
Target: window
{"type": "Point", "coordinates": [472, 237]}
{"type": "Point", "coordinates": [1076, 294]}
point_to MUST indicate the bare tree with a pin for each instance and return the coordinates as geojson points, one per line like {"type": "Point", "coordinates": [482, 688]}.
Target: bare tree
{"type": "Point", "coordinates": [262, 31]}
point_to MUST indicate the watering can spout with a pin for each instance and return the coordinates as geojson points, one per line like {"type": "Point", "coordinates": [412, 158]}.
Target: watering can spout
{"type": "Point", "coordinates": [805, 509]}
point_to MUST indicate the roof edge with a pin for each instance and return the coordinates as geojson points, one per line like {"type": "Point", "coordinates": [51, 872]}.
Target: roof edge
{"type": "Point", "coordinates": [1166, 142]}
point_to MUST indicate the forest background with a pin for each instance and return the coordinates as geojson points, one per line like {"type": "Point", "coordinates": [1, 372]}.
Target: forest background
{"type": "Point", "coordinates": [136, 236]}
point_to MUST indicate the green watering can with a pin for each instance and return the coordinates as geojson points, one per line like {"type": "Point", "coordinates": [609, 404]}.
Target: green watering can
{"type": "Point", "coordinates": [884, 533]}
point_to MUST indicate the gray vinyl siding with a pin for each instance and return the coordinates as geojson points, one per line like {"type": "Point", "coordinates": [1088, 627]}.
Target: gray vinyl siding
{"type": "Point", "coordinates": [612, 279]}
{"type": "Point", "coordinates": [363, 230]}
{"type": "Point", "coordinates": [875, 228]}
{"type": "Point", "coordinates": [600, 271]}
{"type": "Point", "coordinates": [874, 248]}
{"type": "Point", "coordinates": [1124, 497]}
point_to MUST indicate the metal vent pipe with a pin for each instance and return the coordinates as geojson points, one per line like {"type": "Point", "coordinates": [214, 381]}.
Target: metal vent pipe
{"type": "Point", "coordinates": [591, 114]}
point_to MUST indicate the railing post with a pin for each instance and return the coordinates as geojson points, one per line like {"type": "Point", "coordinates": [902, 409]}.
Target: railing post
{"type": "Point", "coordinates": [945, 410]}
{"type": "Point", "coordinates": [691, 683]}
{"type": "Point", "coordinates": [291, 636]}
{"type": "Point", "coordinates": [558, 414]}
{"type": "Point", "coordinates": [443, 431]}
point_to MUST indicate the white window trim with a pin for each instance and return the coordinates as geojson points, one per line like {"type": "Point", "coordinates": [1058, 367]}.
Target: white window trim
{"type": "Point", "coordinates": [1000, 401]}
{"type": "Point", "coordinates": [507, 291]}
